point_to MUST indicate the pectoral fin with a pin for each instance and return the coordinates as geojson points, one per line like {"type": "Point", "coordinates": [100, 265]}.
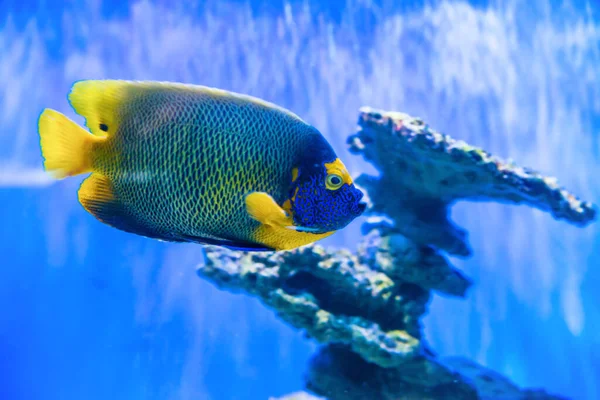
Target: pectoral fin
{"type": "Point", "coordinates": [265, 210]}
{"type": "Point", "coordinates": [277, 230]}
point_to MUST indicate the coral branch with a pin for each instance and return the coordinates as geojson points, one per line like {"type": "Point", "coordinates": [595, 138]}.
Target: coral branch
{"type": "Point", "coordinates": [423, 172]}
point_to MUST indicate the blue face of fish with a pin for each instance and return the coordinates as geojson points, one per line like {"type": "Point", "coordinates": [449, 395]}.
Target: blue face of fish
{"type": "Point", "coordinates": [324, 198]}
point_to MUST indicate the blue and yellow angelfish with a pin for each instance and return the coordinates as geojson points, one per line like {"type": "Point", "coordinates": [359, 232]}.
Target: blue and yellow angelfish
{"type": "Point", "coordinates": [188, 163]}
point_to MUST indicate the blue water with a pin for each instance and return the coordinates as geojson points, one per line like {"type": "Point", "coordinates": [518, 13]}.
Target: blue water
{"type": "Point", "coordinates": [89, 312]}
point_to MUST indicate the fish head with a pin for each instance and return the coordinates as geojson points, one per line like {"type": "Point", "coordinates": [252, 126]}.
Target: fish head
{"type": "Point", "coordinates": [324, 197]}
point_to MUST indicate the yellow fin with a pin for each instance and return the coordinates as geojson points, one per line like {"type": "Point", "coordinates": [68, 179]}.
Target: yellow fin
{"type": "Point", "coordinates": [97, 196]}
{"type": "Point", "coordinates": [100, 101]}
{"type": "Point", "coordinates": [66, 146]}
{"type": "Point", "coordinates": [277, 230]}
{"type": "Point", "coordinates": [265, 210]}
{"type": "Point", "coordinates": [95, 191]}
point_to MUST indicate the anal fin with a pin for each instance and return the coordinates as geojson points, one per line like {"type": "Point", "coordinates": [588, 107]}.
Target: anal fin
{"type": "Point", "coordinates": [96, 195]}
{"type": "Point", "coordinates": [230, 244]}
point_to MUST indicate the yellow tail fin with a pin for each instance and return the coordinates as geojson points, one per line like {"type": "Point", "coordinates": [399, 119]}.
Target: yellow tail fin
{"type": "Point", "coordinates": [66, 146]}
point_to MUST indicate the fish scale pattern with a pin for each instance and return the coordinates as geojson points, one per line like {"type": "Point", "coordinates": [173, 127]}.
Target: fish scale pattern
{"type": "Point", "coordinates": [181, 162]}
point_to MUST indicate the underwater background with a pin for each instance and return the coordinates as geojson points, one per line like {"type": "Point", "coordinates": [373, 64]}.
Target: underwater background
{"type": "Point", "coordinates": [89, 312]}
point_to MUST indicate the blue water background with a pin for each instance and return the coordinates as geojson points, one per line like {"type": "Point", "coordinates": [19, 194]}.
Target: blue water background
{"type": "Point", "coordinates": [89, 312]}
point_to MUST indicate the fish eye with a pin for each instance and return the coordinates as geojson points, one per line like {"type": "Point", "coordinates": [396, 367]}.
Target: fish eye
{"type": "Point", "coordinates": [334, 182]}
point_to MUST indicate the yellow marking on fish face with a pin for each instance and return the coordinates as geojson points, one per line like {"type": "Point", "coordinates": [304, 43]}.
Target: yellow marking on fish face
{"type": "Point", "coordinates": [294, 174]}
{"type": "Point", "coordinates": [337, 169]}
{"type": "Point", "coordinates": [274, 230]}
{"type": "Point", "coordinates": [287, 206]}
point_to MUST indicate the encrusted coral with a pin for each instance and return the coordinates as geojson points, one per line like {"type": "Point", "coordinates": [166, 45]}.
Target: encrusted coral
{"type": "Point", "coordinates": [365, 305]}
{"type": "Point", "coordinates": [331, 295]}
{"type": "Point", "coordinates": [423, 172]}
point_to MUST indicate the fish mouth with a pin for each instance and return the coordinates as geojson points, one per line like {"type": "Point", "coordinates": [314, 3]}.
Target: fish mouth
{"type": "Point", "coordinates": [351, 212]}
{"type": "Point", "coordinates": [362, 206]}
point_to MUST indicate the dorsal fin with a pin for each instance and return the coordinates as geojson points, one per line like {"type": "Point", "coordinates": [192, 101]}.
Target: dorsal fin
{"type": "Point", "coordinates": [99, 101]}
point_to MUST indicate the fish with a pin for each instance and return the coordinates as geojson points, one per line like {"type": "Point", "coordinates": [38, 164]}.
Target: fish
{"type": "Point", "coordinates": [180, 162]}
